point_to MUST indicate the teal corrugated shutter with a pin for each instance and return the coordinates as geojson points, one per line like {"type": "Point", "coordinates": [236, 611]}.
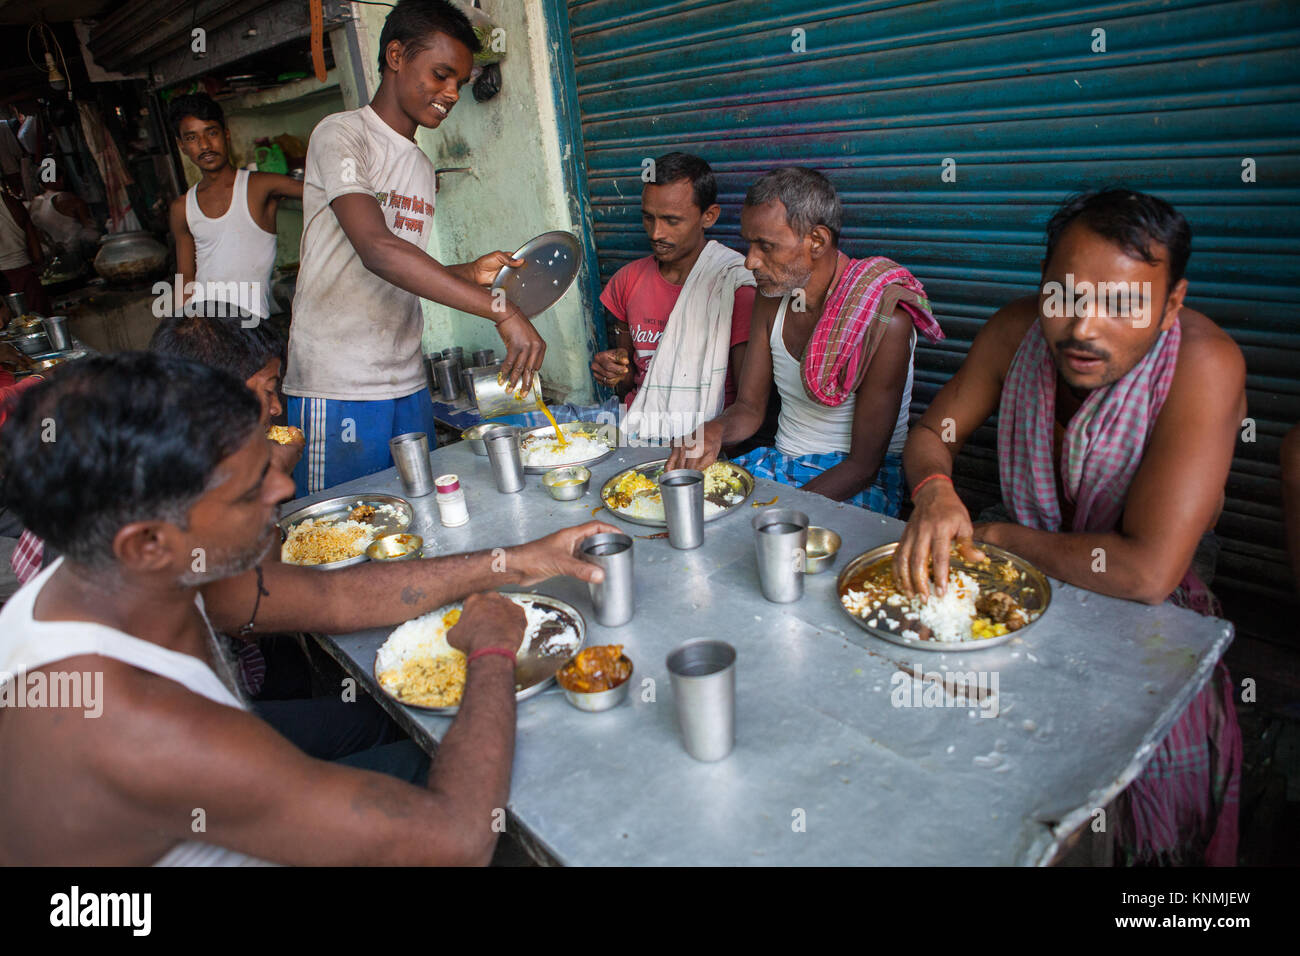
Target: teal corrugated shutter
{"type": "Point", "coordinates": [1022, 97]}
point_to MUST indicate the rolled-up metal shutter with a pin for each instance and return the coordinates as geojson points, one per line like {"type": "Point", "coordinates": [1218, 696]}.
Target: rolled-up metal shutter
{"type": "Point", "coordinates": [1032, 99]}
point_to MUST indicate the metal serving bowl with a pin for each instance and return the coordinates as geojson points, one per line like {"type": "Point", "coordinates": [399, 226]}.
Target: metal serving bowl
{"type": "Point", "coordinates": [32, 343]}
{"type": "Point", "coordinates": [395, 547]}
{"type": "Point", "coordinates": [567, 483]}
{"type": "Point", "coordinates": [822, 549]}
{"type": "Point", "coordinates": [475, 434]}
{"type": "Point", "coordinates": [601, 700]}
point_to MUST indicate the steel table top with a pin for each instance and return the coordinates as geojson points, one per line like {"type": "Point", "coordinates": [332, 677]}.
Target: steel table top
{"type": "Point", "coordinates": [834, 764]}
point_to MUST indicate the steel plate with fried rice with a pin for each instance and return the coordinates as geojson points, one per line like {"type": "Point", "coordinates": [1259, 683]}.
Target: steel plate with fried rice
{"type": "Point", "coordinates": [633, 494]}
{"type": "Point", "coordinates": [335, 533]}
{"type": "Point", "coordinates": [416, 666]}
{"type": "Point", "coordinates": [987, 603]}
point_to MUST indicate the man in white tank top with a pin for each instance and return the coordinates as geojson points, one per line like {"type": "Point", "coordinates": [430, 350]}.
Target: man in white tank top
{"type": "Point", "coordinates": [849, 449]}
{"type": "Point", "coordinates": [225, 223]}
{"type": "Point", "coordinates": [121, 722]}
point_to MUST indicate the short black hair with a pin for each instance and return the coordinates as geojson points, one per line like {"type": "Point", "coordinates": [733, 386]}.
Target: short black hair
{"type": "Point", "coordinates": [218, 341]}
{"type": "Point", "coordinates": [199, 105]}
{"type": "Point", "coordinates": [1134, 220]}
{"type": "Point", "coordinates": [673, 167]}
{"type": "Point", "coordinates": [808, 197]}
{"type": "Point", "coordinates": [112, 439]}
{"type": "Point", "coordinates": [412, 21]}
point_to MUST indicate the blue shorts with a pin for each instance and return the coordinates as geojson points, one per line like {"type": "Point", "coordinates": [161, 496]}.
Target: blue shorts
{"type": "Point", "coordinates": [347, 440]}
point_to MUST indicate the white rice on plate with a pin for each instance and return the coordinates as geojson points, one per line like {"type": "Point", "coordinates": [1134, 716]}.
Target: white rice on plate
{"type": "Point", "coordinates": [538, 451]}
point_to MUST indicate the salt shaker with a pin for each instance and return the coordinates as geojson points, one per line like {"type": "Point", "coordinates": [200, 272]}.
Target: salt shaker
{"type": "Point", "coordinates": [452, 510]}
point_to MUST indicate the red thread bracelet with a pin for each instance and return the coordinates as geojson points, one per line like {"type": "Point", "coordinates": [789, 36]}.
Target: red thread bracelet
{"type": "Point", "coordinates": [921, 483]}
{"type": "Point", "coordinates": [483, 652]}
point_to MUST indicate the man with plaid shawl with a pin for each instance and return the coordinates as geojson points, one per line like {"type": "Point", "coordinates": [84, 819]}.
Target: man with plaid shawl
{"type": "Point", "coordinates": [1117, 421]}
{"type": "Point", "coordinates": [835, 336]}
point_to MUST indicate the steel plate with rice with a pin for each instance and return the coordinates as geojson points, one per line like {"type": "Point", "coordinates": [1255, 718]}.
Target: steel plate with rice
{"type": "Point", "coordinates": [589, 442]}
{"type": "Point", "coordinates": [335, 533]}
{"type": "Point", "coordinates": [417, 667]}
{"type": "Point", "coordinates": [986, 603]}
{"type": "Point", "coordinates": [633, 496]}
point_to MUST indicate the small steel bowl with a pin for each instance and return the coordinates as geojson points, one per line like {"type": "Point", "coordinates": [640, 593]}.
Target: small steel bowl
{"type": "Point", "coordinates": [822, 549]}
{"type": "Point", "coordinates": [601, 700]}
{"type": "Point", "coordinates": [395, 547]}
{"type": "Point", "coordinates": [33, 343]}
{"type": "Point", "coordinates": [474, 435]}
{"type": "Point", "coordinates": [567, 483]}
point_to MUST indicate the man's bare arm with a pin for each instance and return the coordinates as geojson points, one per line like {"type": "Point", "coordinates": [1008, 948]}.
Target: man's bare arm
{"type": "Point", "coordinates": [875, 414]}
{"type": "Point", "coordinates": [1177, 492]}
{"type": "Point", "coordinates": [185, 253]}
{"type": "Point", "coordinates": [409, 267]}
{"type": "Point", "coordinates": [388, 593]}
{"type": "Point", "coordinates": [963, 404]}
{"type": "Point", "coordinates": [262, 796]}
{"type": "Point", "coordinates": [746, 414]}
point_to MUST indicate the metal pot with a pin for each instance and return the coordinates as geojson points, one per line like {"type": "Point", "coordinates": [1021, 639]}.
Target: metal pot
{"type": "Point", "coordinates": [130, 256]}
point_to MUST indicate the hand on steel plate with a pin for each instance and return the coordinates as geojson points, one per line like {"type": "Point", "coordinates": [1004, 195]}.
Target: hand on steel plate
{"type": "Point", "coordinates": [697, 450]}
{"type": "Point", "coordinates": [938, 519]}
{"type": "Point", "coordinates": [558, 554]}
{"type": "Point", "coordinates": [13, 359]}
{"type": "Point", "coordinates": [612, 367]}
{"type": "Point", "coordinates": [483, 270]}
{"type": "Point", "coordinates": [525, 350]}
{"type": "Point", "coordinates": [488, 620]}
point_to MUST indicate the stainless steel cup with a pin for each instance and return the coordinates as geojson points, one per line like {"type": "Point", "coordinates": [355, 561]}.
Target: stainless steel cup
{"type": "Point", "coordinates": [467, 382]}
{"type": "Point", "coordinates": [429, 378]}
{"type": "Point", "coordinates": [614, 599]}
{"type": "Point", "coordinates": [703, 675]}
{"type": "Point", "coordinates": [502, 446]}
{"type": "Point", "coordinates": [483, 357]}
{"type": "Point", "coordinates": [411, 455]}
{"type": "Point", "coordinates": [781, 540]}
{"type": "Point", "coordinates": [496, 401]}
{"type": "Point", "coordinates": [56, 327]}
{"type": "Point", "coordinates": [17, 302]}
{"type": "Point", "coordinates": [682, 492]}
{"type": "Point", "coordinates": [444, 370]}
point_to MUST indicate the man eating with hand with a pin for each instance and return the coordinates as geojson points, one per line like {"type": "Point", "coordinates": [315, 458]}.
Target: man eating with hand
{"type": "Point", "coordinates": [1118, 409]}
{"type": "Point", "coordinates": [158, 462]}
{"type": "Point", "coordinates": [354, 375]}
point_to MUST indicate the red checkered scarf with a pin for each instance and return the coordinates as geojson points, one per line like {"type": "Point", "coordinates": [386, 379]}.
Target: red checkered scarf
{"type": "Point", "coordinates": [26, 560]}
{"type": "Point", "coordinates": [854, 322]}
{"type": "Point", "coordinates": [1103, 443]}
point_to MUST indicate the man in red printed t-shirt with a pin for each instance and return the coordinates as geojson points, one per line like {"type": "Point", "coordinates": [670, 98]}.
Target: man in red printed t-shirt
{"type": "Point", "coordinates": [673, 375]}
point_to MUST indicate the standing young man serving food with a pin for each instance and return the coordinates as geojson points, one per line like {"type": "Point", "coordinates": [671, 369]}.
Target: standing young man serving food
{"type": "Point", "coordinates": [354, 376]}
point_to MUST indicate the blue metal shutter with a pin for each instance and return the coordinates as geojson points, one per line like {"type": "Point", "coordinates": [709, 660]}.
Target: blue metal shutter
{"type": "Point", "coordinates": [1015, 94]}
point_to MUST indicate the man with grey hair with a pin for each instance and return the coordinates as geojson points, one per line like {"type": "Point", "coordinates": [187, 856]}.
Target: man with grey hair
{"type": "Point", "coordinates": [837, 336]}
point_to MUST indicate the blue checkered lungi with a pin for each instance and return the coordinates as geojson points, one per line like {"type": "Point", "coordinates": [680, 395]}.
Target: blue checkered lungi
{"type": "Point", "coordinates": [884, 495]}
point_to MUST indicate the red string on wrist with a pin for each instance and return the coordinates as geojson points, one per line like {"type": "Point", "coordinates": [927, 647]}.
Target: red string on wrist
{"type": "Point", "coordinates": [922, 482]}
{"type": "Point", "coordinates": [484, 652]}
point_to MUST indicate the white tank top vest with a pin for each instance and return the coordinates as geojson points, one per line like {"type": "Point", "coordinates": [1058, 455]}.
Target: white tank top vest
{"type": "Point", "coordinates": [27, 644]}
{"type": "Point", "coordinates": [64, 230]}
{"type": "Point", "coordinates": [231, 248]}
{"type": "Point", "coordinates": [806, 427]}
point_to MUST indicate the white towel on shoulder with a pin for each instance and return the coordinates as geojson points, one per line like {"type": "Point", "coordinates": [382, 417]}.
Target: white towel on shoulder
{"type": "Point", "coordinates": [685, 384]}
